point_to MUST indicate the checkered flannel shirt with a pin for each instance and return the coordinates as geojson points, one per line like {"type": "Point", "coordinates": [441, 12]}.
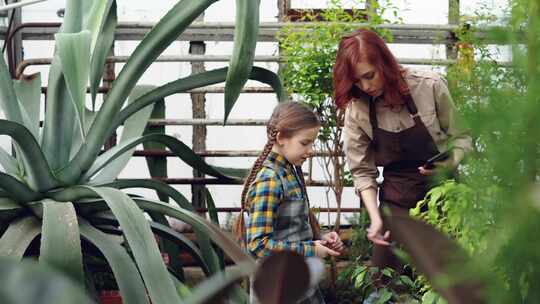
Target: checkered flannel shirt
{"type": "Point", "coordinates": [264, 198]}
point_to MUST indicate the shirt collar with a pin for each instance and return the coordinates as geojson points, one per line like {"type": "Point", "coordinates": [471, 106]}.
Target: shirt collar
{"type": "Point", "coordinates": [278, 159]}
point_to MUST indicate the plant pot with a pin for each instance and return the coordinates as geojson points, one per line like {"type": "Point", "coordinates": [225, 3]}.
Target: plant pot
{"type": "Point", "coordinates": [110, 297]}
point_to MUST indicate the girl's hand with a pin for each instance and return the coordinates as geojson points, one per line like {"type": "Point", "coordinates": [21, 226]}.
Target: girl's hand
{"type": "Point", "coordinates": [376, 233]}
{"type": "Point", "coordinates": [322, 251]}
{"type": "Point", "coordinates": [333, 241]}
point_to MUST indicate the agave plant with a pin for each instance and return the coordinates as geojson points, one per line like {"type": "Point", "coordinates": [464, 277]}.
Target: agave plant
{"type": "Point", "coordinates": [59, 189]}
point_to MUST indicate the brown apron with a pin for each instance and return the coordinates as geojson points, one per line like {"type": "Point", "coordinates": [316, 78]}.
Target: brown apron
{"type": "Point", "coordinates": [400, 154]}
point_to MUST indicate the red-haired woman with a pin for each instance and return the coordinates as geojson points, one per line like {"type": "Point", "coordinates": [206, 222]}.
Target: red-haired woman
{"type": "Point", "coordinates": [396, 118]}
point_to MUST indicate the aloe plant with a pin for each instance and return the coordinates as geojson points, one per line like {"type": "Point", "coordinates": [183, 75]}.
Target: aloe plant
{"type": "Point", "coordinates": [57, 187]}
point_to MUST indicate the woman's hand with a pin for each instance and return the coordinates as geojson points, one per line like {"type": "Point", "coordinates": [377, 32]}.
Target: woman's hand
{"type": "Point", "coordinates": [376, 233]}
{"type": "Point", "coordinates": [451, 163]}
{"type": "Point", "coordinates": [333, 241]}
{"type": "Point", "coordinates": [321, 251]}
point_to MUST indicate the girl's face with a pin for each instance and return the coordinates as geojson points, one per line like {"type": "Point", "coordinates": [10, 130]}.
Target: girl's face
{"type": "Point", "coordinates": [368, 79]}
{"type": "Point", "coordinates": [298, 147]}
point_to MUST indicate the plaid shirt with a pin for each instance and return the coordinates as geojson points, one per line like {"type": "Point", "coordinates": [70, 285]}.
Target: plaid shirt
{"type": "Point", "coordinates": [278, 211]}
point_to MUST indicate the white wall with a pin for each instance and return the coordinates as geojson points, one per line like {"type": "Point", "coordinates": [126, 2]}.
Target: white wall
{"type": "Point", "coordinates": [248, 105]}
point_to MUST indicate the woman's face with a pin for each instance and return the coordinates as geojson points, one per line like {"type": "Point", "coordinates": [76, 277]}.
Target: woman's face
{"type": "Point", "coordinates": [368, 79]}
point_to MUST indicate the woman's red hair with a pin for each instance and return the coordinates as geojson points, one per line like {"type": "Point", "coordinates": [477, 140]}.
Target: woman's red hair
{"type": "Point", "coordinates": [364, 44]}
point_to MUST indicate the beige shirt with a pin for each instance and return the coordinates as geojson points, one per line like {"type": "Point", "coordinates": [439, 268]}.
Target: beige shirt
{"type": "Point", "coordinates": [435, 107]}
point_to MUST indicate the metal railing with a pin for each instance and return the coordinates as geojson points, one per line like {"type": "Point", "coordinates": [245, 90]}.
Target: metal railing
{"type": "Point", "coordinates": [403, 33]}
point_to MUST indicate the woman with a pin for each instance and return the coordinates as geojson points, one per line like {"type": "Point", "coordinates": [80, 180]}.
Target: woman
{"type": "Point", "coordinates": [395, 118]}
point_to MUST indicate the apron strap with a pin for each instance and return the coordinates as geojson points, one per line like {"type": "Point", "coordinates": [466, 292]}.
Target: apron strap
{"type": "Point", "coordinates": [372, 113]}
{"type": "Point", "coordinates": [411, 107]}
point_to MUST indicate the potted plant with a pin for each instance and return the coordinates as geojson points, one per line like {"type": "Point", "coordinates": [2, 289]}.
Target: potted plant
{"type": "Point", "coordinates": [59, 192]}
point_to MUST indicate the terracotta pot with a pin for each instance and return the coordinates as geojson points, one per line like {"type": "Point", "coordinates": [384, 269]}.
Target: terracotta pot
{"type": "Point", "coordinates": [110, 297]}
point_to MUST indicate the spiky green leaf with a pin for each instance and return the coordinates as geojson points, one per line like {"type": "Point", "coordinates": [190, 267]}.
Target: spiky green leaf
{"type": "Point", "coordinates": [155, 42]}
{"type": "Point", "coordinates": [133, 128]}
{"type": "Point", "coordinates": [158, 186]}
{"type": "Point", "coordinates": [157, 166]}
{"type": "Point", "coordinates": [103, 24]}
{"type": "Point", "coordinates": [39, 174]}
{"type": "Point", "coordinates": [218, 287]}
{"type": "Point", "coordinates": [28, 90]}
{"type": "Point", "coordinates": [28, 282]}
{"type": "Point", "coordinates": [16, 190]}
{"type": "Point", "coordinates": [196, 81]}
{"type": "Point", "coordinates": [74, 53]}
{"type": "Point", "coordinates": [8, 98]}
{"type": "Point", "coordinates": [18, 237]}
{"type": "Point", "coordinates": [60, 121]}
{"type": "Point", "coordinates": [142, 243]}
{"type": "Point", "coordinates": [60, 233]}
{"type": "Point", "coordinates": [175, 145]}
{"type": "Point", "coordinates": [127, 276]}
{"type": "Point", "coordinates": [8, 162]}
{"type": "Point", "coordinates": [245, 40]}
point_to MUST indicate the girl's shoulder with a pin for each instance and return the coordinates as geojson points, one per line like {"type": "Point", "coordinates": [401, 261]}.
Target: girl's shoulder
{"type": "Point", "coordinates": [267, 173]}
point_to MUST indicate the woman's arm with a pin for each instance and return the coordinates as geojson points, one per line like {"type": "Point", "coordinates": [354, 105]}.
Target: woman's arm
{"type": "Point", "coordinates": [361, 162]}
{"type": "Point", "coordinates": [450, 120]}
{"type": "Point", "coordinates": [376, 232]}
{"type": "Point", "coordinates": [451, 125]}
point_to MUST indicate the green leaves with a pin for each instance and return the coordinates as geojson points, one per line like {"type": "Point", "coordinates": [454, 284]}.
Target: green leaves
{"type": "Point", "coordinates": [102, 27]}
{"type": "Point", "coordinates": [144, 248]}
{"type": "Point", "coordinates": [8, 97]}
{"type": "Point", "coordinates": [196, 81]}
{"type": "Point", "coordinates": [245, 40]}
{"type": "Point", "coordinates": [28, 282]}
{"type": "Point", "coordinates": [176, 146]}
{"type": "Point", "coordinates": [60, 233]}
{"type": "Point", "coordinates": [74, 53]}
{"type": "Point", "coordinates": [28, 90]}
{"type": "Point", "coordinates": [162, 34]}
{"type": "Point", "coordinates": [218, 286]}
{"type": "Point", "coordinates": [60, 121]}
{"type": "Point", "coordinates": [18, 236]}
{"type": "Point", "coordinates": [133, 128]}
{"type": "Point", "coordinates": [127, 277]}
{"type": "Point", "coordinates": [39, 174]}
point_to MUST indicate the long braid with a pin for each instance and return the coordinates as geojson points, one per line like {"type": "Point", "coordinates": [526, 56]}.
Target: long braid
{"type": "Point", "coordinates": [313, 222]}
{"type": "Point", "coordinates": [240, 225]}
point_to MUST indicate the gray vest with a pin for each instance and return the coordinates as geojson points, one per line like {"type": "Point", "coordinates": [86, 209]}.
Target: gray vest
{"type": "Point", "coordinates": [292, 217]}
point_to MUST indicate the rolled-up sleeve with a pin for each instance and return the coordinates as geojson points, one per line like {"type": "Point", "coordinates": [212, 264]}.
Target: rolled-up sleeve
{"type": "Point", "coordinates": [358, 154]}
{"type": "Point", "coordinates": [449, 118]}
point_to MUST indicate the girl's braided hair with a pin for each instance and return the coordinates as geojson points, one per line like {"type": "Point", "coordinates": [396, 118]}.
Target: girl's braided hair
{"type": "Point", "coordinates": [287, 119]}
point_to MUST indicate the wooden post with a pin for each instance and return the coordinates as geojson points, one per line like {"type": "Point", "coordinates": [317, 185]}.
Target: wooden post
{"type": "Point", "coordinates": [283, 7]}
{"type": "Point", "coordinates": [453, 18]}
{"type": "Point", "coordinates": [198, 102]}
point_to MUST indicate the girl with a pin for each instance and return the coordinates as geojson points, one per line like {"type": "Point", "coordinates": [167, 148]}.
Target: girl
{"type": "Point", "coordinates": [275, 194]}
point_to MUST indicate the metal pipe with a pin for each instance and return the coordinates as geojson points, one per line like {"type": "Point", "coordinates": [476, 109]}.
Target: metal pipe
{"type": "Point", "coordinates": [216, 181]}
{"type": "Point", "coordinates": [213, 153]}
{"type": "Point", "coordinates": [318, 209]}
{"type": "Point", "coordinates": [208, 90]}
{"type": "Point", "coordinates": [9, 40]}
{"type": "Point", "coordinates": [136, 30]}
{"type": "Point", "coordinates": [19, 4]}
{"type": "Point", "coordinates": [224, 58]}
{"type": "Point", "coordinates": [118, 59]}
{"type": "Point", "coordinates": [206, 122]}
